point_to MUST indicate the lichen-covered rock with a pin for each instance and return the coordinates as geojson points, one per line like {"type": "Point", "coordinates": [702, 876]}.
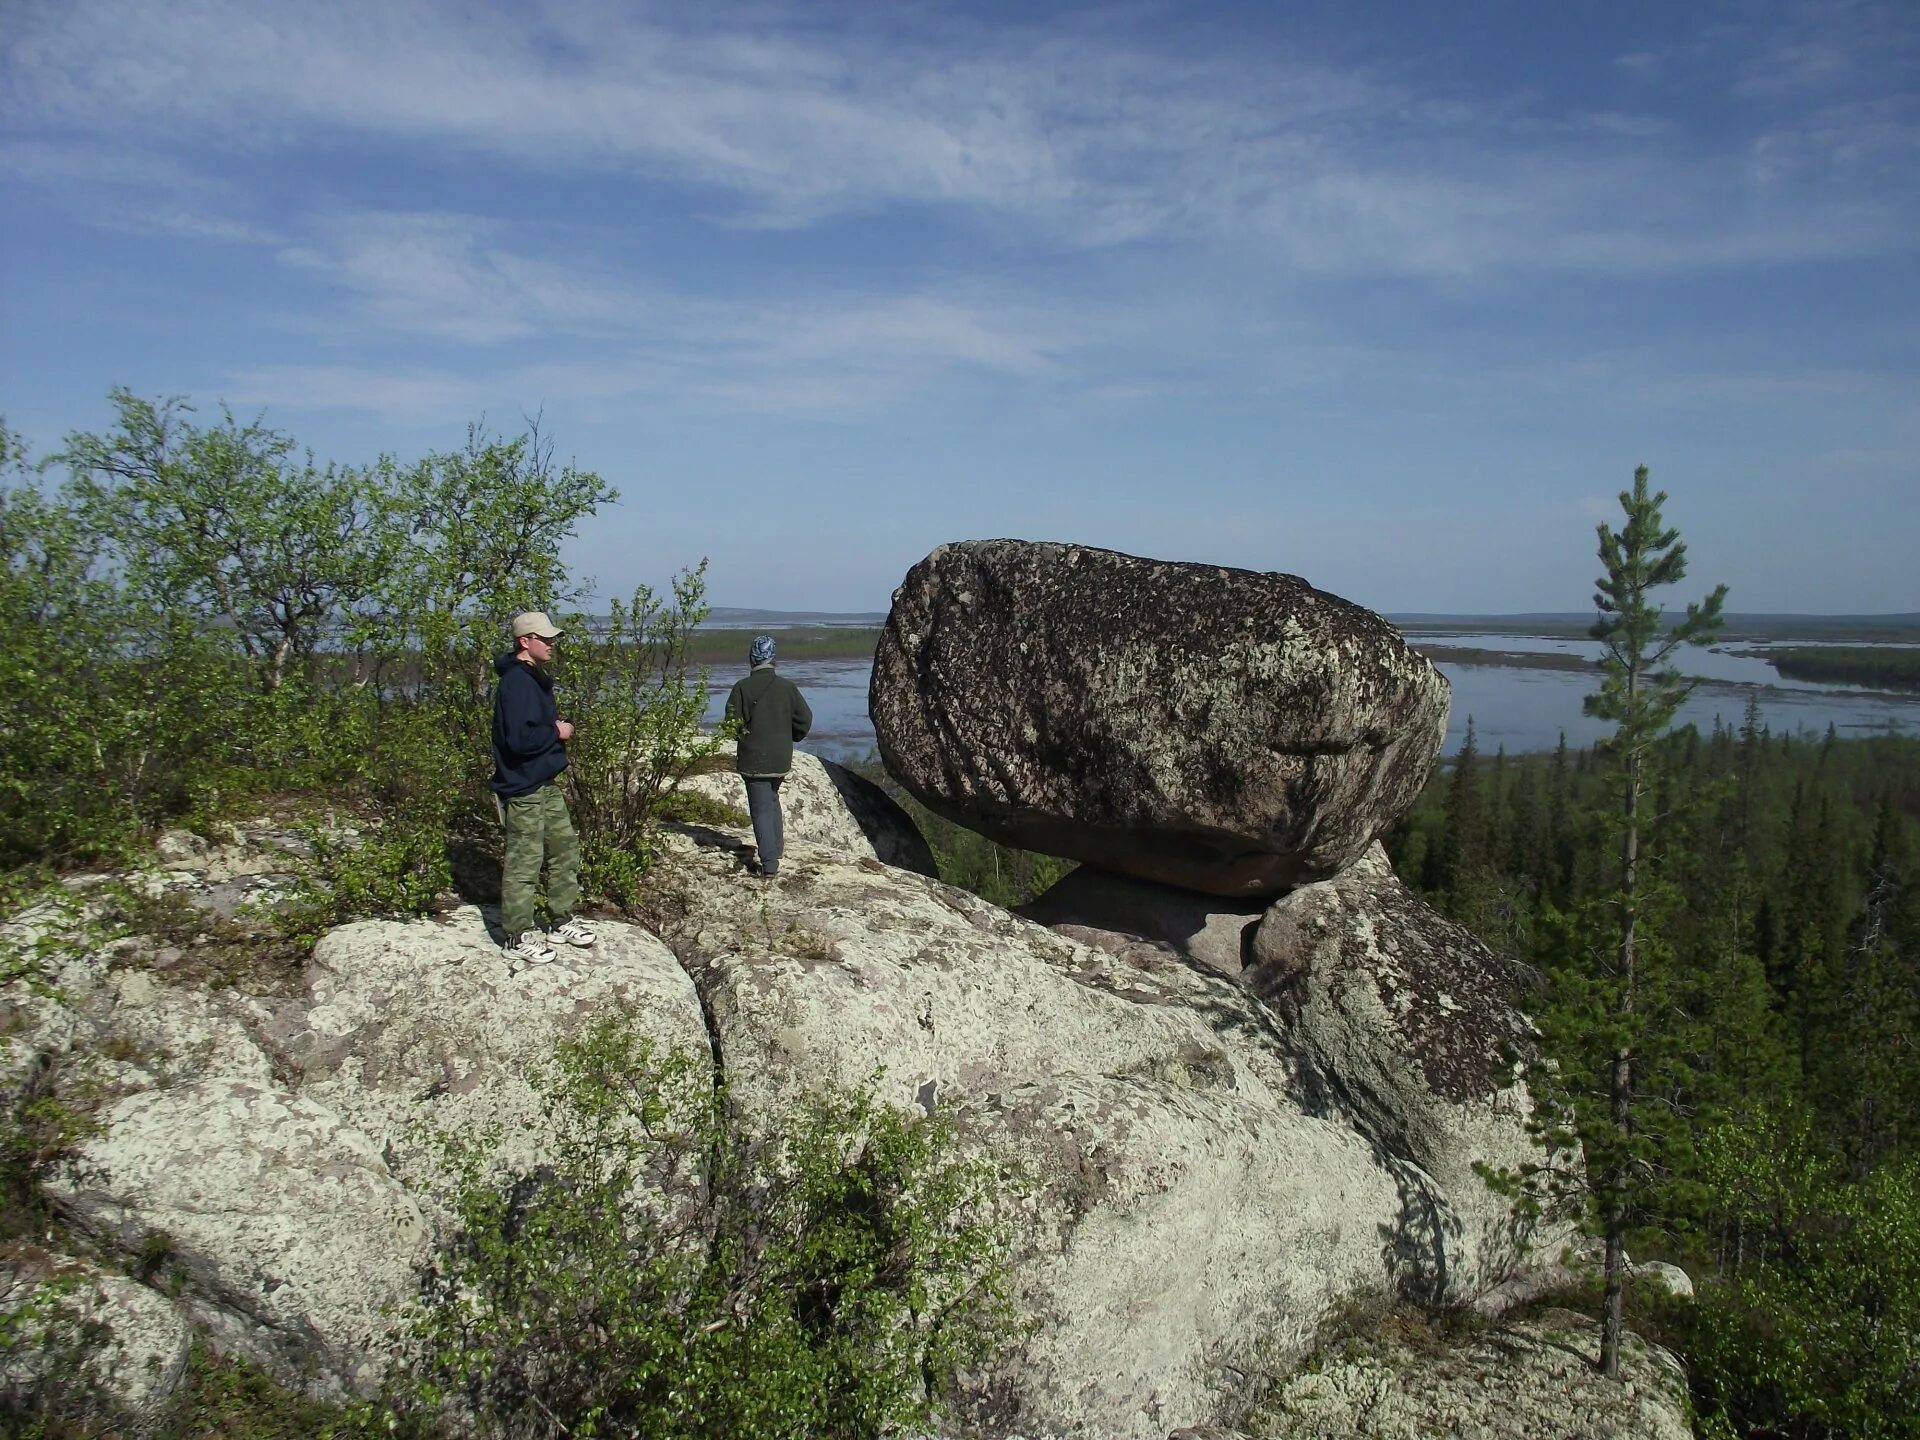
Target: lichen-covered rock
{"type": "Point", "coordinates": [287, 1223]}
{"type": "Point", "coordinates": [115, 1347]}
{"type": "Point", "coordinates": [1227, 731]}
{"type": "Point", "coordinates": [1519, 1381]}
{"type": "Point", "coordinates": [1659, 1275]}
{"type": "Point", "coordinates": [1210, 1173]}
{"type": "Point", "coordinates": [404, 1021]}
{"type": "Point", "coordinates": [1197, 1200]}
{"type": "Point", "coordinates": [829, 806]}
{"type": "Point", "coordinates": [1118, 914]}
{"type": "Point", "coordinates": [278, 1143]}
{"type": "Point", "coordinates": [1412, 1023]}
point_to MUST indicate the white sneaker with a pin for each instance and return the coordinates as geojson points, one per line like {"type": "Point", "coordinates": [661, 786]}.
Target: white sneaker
{"type": "Point", "coordinates": [572, 932]}
{"type": "Point", "coordinates": [530, 949]}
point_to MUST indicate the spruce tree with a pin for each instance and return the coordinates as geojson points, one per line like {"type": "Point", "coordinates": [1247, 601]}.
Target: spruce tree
{"type": "Point", "coordinates": [1617, 1115]}
{"type": "Point", "coordinates": [1879, 1003]}
{"type": "Point", "coordinates": [1559, 846]}
{"type": "Point", "coordinates": [1459, 845]}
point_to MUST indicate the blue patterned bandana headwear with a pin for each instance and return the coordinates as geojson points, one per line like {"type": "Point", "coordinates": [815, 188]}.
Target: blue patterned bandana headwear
{"type": "Point", "coordinates": [762, 652]}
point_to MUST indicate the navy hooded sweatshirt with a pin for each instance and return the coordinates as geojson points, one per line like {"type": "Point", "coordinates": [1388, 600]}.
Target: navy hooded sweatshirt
{"type": "Point", "coordinates": [527, 748]}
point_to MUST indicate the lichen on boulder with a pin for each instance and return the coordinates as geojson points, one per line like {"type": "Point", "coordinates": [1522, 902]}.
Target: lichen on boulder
{"type": "Point", "coordinates": [1224, 730]}
{"type": "Point", "coordinates": [1416, 1026]}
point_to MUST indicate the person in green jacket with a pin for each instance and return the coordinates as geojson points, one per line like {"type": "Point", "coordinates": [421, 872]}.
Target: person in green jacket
{"type": "Point", "coordinates": [772, 714]}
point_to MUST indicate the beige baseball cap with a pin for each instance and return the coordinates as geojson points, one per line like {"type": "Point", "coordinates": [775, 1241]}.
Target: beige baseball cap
{"type": "Point", "coordinates": [535, 622]}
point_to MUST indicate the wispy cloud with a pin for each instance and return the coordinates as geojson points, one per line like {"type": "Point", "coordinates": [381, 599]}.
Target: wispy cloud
{"type": "Point", "coordinates": [186, 224]}
{"type": "Point", "coordinates": [1070, 133]}
{"type": "Point", "coordinates": [132, 187]}
{"type": "Point", "coordinates": [407, 397]}
{"type": "Point", "coordinates": [453, 276]}
{"type": "Point", "coordinates": [829, 357]}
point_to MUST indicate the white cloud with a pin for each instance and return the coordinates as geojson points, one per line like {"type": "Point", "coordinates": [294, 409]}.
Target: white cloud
{"type": "Point", "coordinates": [402, 396]}
{"type": "Point", "coordinates": [132, 187]}
{"type": "Point", "coordinates": [451, 276]}
{"type": "Point", "coordinates": [188, 224]}
{"type": "Point", "coordinates": [475, 282]}
{"type": "Point", "coordinates": [830, 356]}
{"type": "Point", "coordinates": [1078, 134]}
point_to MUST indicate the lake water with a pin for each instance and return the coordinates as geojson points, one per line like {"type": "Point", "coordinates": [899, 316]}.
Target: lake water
{"type": "Point", "coordinates": [1521, 709]}
{"type": "Point", "coordinates": [836, 692]}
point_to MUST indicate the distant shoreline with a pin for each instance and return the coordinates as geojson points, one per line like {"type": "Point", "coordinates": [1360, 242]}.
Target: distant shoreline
{"type": "Point", "coordinates": [708, 646]}
{"type": "Point", "coordinates": [857, 631]}
{"type": "Point", "coordinates": [1736, 627]}
{"type": "Point", "coordinates": [719, 645]}
{"type": "Point", "coordinates": [1505, 659]}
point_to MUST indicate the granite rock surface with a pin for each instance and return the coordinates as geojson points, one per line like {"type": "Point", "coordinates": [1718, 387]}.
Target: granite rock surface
{"type": "Point", "coordinates": [1213, 1162]}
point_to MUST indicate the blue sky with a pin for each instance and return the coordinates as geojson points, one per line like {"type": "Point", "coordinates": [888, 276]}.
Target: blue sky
{"type": "Point", "coordinates": [1391, 297]}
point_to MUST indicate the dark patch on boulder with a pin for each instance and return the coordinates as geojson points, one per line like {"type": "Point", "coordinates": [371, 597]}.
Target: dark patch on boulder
{"type": "Point", "coordinates": [896, 840]}
{"type": "Point", "coordinates": [1405, 1009]}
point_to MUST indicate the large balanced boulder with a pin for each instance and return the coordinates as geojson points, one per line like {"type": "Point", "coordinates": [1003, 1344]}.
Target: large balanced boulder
{"type": "Point", "coordinates": [1223, 730]}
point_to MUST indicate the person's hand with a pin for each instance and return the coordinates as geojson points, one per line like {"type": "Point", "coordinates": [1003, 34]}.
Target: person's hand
{"type": "Point", "coordinates": [565, 728]}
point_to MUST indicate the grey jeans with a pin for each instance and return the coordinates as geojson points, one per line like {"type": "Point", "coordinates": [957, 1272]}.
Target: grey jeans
{"type": "Point", "coordinates": [763, 804]}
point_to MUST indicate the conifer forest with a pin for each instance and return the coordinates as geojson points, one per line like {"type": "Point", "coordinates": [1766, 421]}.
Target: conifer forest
{"type": "Point", "coordinates": [1781, 989]}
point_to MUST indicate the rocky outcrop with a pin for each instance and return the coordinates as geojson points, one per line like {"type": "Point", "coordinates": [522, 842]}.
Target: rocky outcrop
{"type": "Point", "coordinates": [826, 805]}
{"type": "Point", "coordinates": [1202, 1197]}
{"type": "Point", "coordinates": [1222, 730]}
{"type": "Point", "coordinates": [273, 1148]}
{"type": "Point", "coordinates": [1415, 1026]}
{"type": "Point", "coordinates": [284, 1220]}
{"type": "Point", "coordinates": [1199, 1196]}
{"type": "Point", "coordinates": [1229, 1114]}
{"type": "Point", "coordinates": [1518, 1381]}
{"type": "Point", "coordinates": [1397, 1016]}
{"type": "Point", "coordinates": [109, 1346]}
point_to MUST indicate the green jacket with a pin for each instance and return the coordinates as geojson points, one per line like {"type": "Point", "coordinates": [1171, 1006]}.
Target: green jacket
{"type": "Point", "coordinates": [773, 714]}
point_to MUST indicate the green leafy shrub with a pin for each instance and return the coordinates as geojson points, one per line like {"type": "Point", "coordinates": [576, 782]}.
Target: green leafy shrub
{"type": "Point", "coordinates": [690, 807]}
{"type": "Point", "coordinates": [476, 536]}
{"type": "Point", "coordinates": [41, 1130]}
{"type": "Point", "coordinates": [229, 619]}
{"type": "Point", "coordinates": [397, 869]}
{"type": "Point", "coordinates": [1815, 1329]}
{"type": "Point", "coordinates": [637, 713]}
{"type": "Point", "coordinates": [45, 1116]}
{"type": "Point", "coordinates": [111, 709]}
{"type": "Point", "coordinates": [229, 1398]}
{"type": "Point", "coordinates": [54, 1376]}
{"type": "Point", "coordinates": [665, 1277]}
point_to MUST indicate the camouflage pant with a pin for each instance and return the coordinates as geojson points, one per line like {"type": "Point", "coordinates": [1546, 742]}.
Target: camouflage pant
{"type": "Point", "coordinates": [538, 829]}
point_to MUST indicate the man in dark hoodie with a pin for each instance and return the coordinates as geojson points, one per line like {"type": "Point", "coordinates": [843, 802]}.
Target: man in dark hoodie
{"type": "Point", "coordinates": [529, 752]}
{"type": "Point", "coordinates": [772, 714]}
